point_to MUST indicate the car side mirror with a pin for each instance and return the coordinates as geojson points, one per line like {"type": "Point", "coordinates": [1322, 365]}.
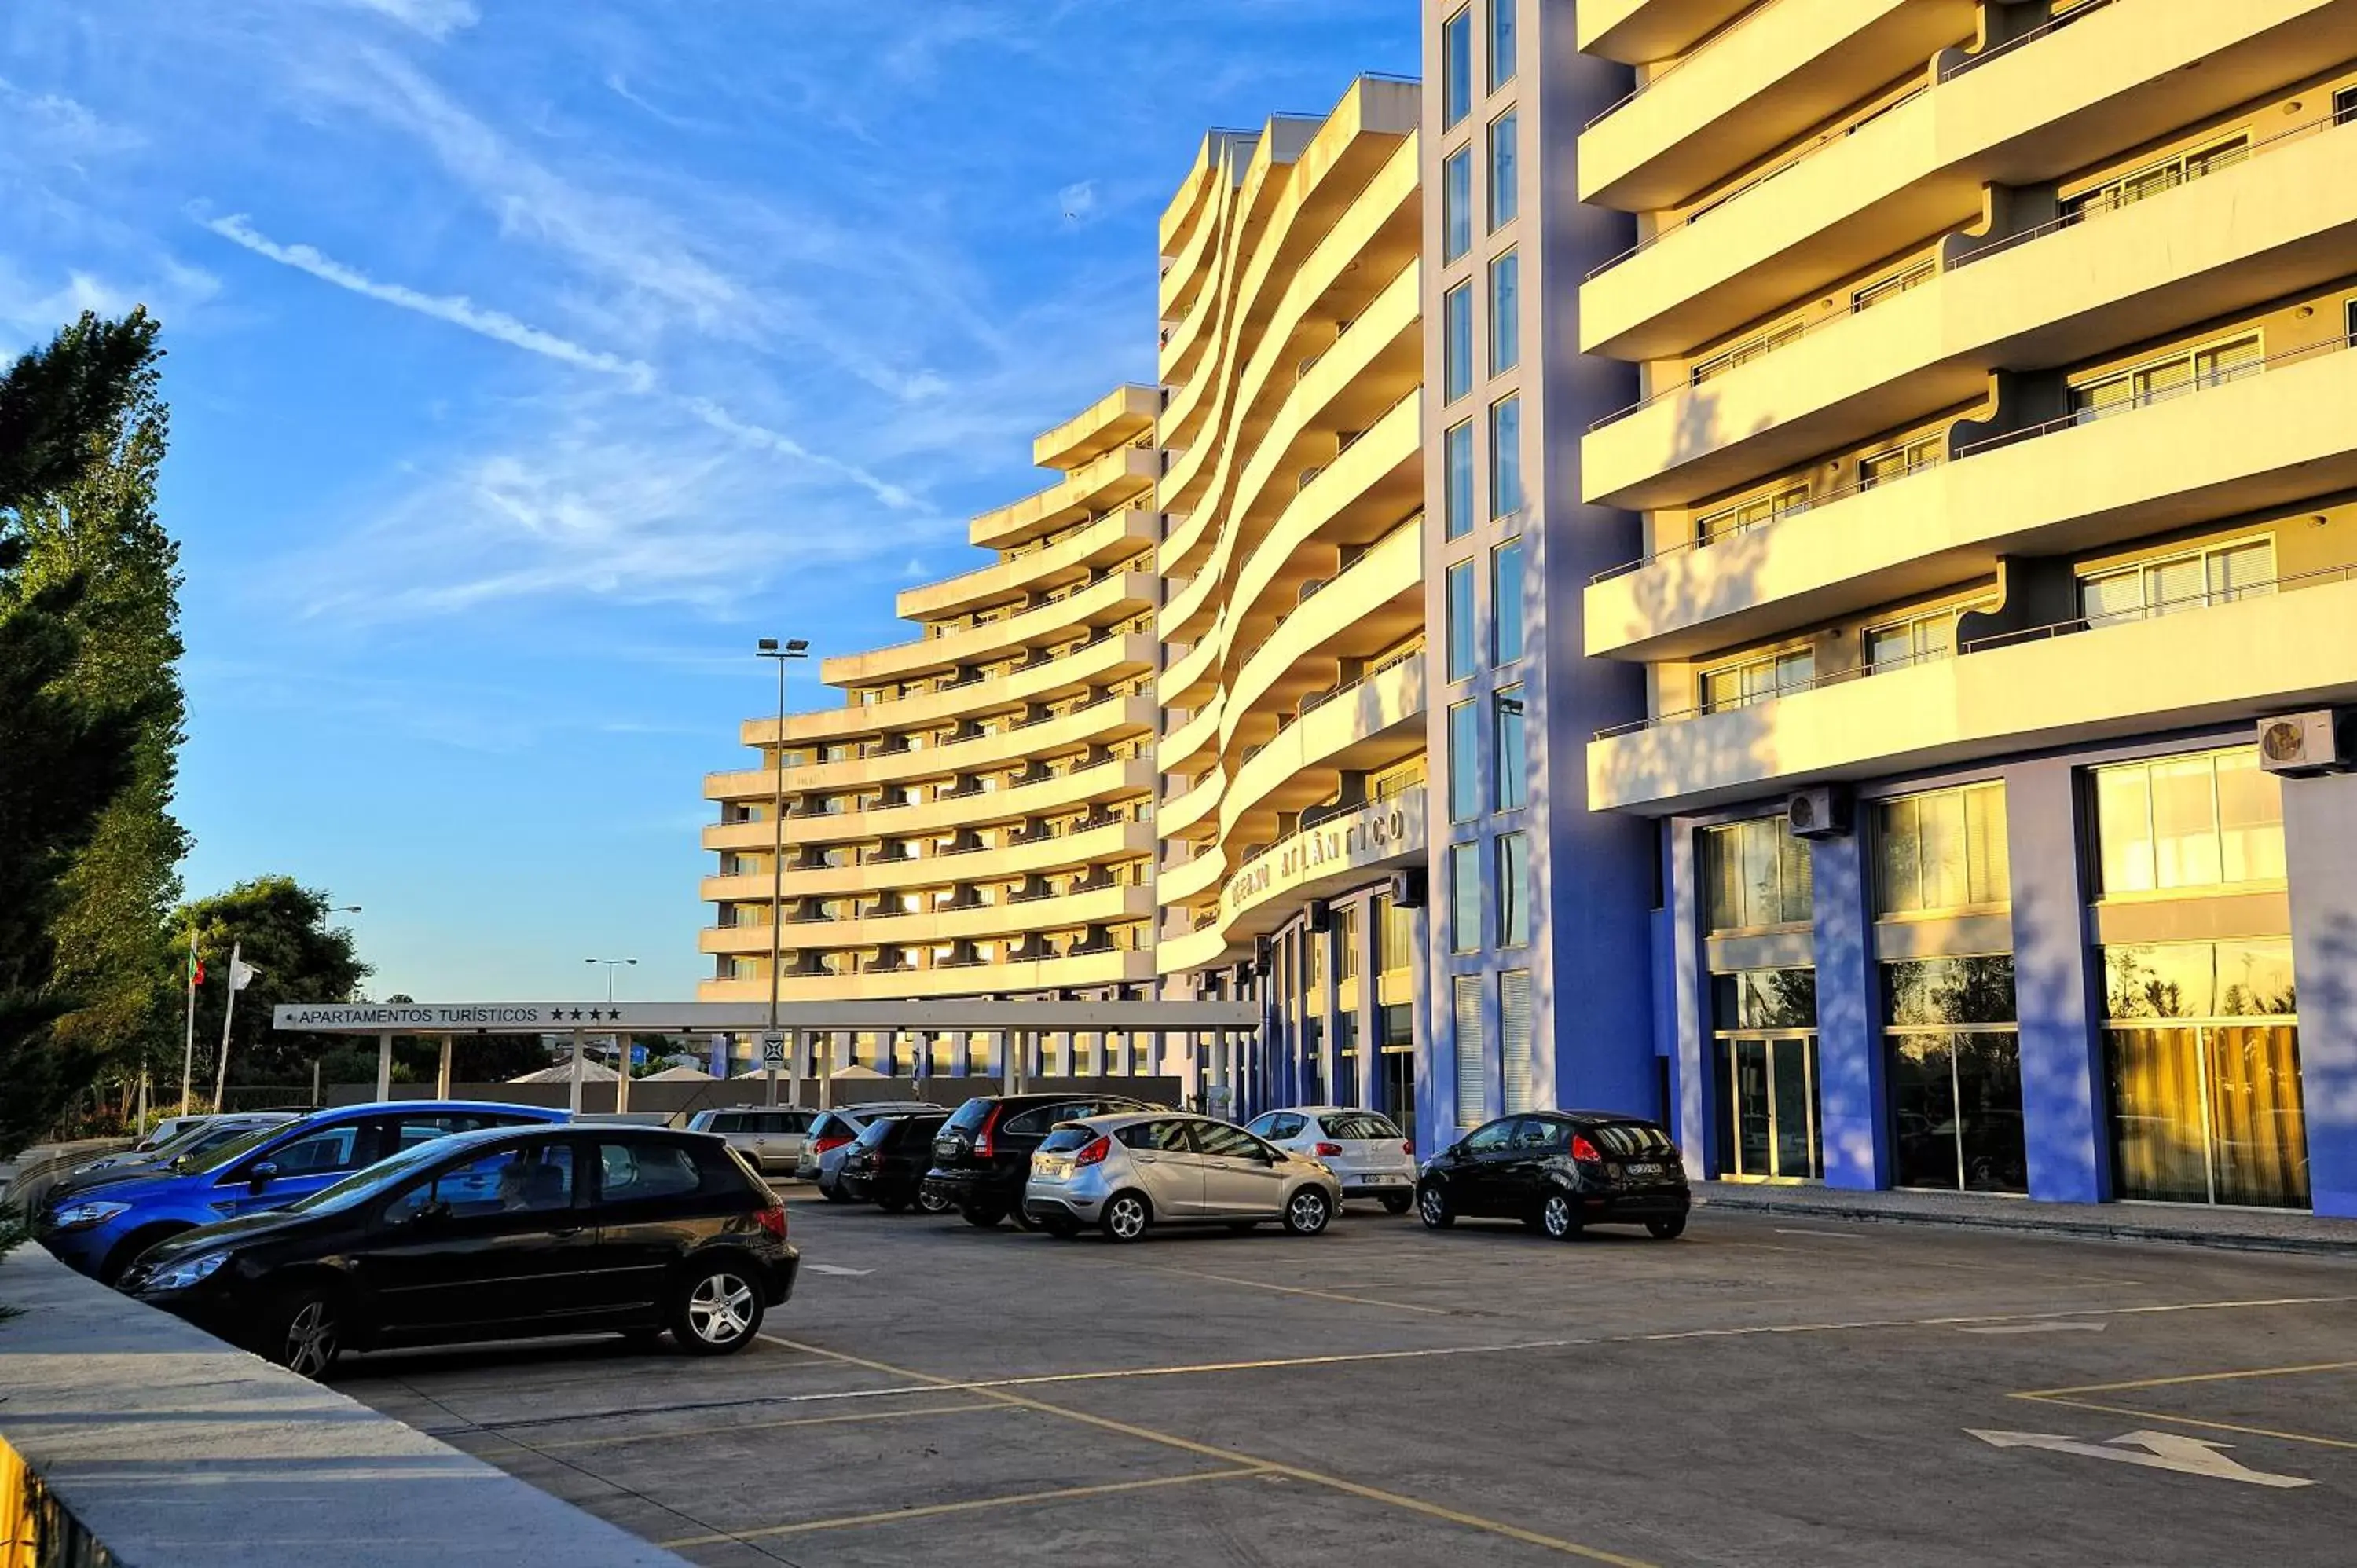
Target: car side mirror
{"type": "Point", "coordinates": [262, 1174]}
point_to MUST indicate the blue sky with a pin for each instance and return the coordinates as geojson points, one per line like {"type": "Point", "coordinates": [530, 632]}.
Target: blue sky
{"type": "Point", "coordinates": [531, 357]}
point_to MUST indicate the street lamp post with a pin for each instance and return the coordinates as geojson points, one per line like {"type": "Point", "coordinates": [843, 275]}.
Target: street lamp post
{"type": "Point", "coordinates": [794, 647]}
{"type": "Point", "coordinates": [622, 1041]}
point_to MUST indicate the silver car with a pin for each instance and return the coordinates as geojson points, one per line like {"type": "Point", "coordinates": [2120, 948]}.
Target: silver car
{"type": "Point", "coordinates": [771, 1136]}
{"type": "Point", "coordinates": [831, 1135]}
{"type": "Point", "coordinates": [1127, 1172]}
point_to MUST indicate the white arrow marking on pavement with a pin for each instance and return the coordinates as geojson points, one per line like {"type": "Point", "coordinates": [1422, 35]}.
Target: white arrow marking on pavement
{"type": "Point", "coordinates": [2156, 1450]}
{"type": "Point", "coordinates": [837, 1269]}
{"type": "Point", "coordinates": [2068, 1328]}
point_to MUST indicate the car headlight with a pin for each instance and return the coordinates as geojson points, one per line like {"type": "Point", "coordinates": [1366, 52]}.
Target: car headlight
{"type": "Point", "coordinates": [185, 1271]}
{"type": "Point", "coordinates": [83, 1216]}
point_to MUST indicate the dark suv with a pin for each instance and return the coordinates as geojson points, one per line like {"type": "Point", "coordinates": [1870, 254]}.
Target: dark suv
{"type": "Point", "coordinates": [981, 1156]}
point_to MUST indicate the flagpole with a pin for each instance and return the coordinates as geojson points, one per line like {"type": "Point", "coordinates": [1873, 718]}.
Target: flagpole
{"type": "Point", "coordinates": [188, 1054]}
{"type": "Point", "coordinates": [229, 1011]}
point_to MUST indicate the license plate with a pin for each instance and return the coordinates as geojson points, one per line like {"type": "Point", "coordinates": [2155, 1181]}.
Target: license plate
{"type": "Point", "coordinates": [1645, 1169]}
{"type": "Point", "coordinates": [1386, 1181]}
{"type": "Point", "coordinates": [1052, 1170]}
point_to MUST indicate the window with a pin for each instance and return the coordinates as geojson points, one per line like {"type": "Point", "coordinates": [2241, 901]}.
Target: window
{"type": "Point", "coordinates": [1513, 889]}
{"type": "Point", "coordinates": [1756, 874]}
{"type": "Point", "coordinates": [1457, 496]}
{"type": "Point", "coordinates": [1464, 761]}
{"type": "Point", "coordinates": [1764, 1059]}
{"type": "Point", "coordinates": [1918, 639]}
{"type": "Point", "coordinates": [328, 1149]}
{"type": "Point", "coordinates": [1502, 42]}
{"type": "Point", "coordinates": [1472, 1067]}
{"type": "Point", "coordinates": [1506, 601]}
{"type": "Point", "coordinates": [1744, 353]}
{"type": "Point", "coordinates": [1517, 1062]}
{"type": "Point", "coordinates": [2344, 105]}
{"type": "Point", "coordinates": [1221, 1141]}
{"type": "Point", "coordinates": [1943, 850]}
{"type": "Point", "coordinates": [2210, 819]}
{"type": "Point", "coordinates": [513, 1181]}
{"type": "Point", "coordinates": [1277, 1126]}
{"type": "Point", "coordinates": [2155, 179]}
{"type": "Point", "coordinates": [2182, 372]}
{"type": "Point", "coordinates": [1465, 898]}
{"type": "Point", "coordinates": [1888, 289]}
{"type": "Point", "coordinates": [1506, 456]}
{"type": "Point", "coordinates": [1456, 68]}
{"type": "Point", "coordinates": [1464, 639]}
{"type": "Point", "coordinates": [1757, 512]}
{"type": "Point", "coordinates": [2188, 580]}
{"type": "Point", "coordinates": [628, 1173]}
{"type": "Point", "coordinates": [1456, 342]}
{"type": "Point", "coordinates": [1456, 204]}
{"type": "Point", "coordinates": [1346, 941]}
{"type": "Point", "coordinates": [1506, 312]}
{"type": "Point", "coordinates": [1955, 1070]}
{"type": "Point", "coordinates": [1514, 769]}
{"type": "Point", "coordinates": [1395, 936]}
{"type": "Point", "coordinates": [1881, 468]}
{"type": "Point", "coordinates": [1505, 188]}
{"type": "Point", "coordinates": [1756, 679]}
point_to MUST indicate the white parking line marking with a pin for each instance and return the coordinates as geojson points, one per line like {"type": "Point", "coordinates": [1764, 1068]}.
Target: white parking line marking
{"type": "Point", "coordinates": [838, 1269]}
{"type": "Point", "coordinates": [2034, 1328]}
{"type": "Point", "coordinates": [2155, 1450]}
{"type": "Point", "coordinates": [1837, 1235]}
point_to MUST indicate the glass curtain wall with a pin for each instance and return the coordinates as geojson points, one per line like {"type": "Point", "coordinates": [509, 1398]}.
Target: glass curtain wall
{"type": "Point", "coordinates": [1764, 1051]}
{"type": "Point", "coordinates": [1955, 1073]}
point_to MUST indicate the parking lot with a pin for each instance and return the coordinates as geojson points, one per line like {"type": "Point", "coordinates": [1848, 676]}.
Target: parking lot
{"type": "Point", "coordinates": [1765, 1390]}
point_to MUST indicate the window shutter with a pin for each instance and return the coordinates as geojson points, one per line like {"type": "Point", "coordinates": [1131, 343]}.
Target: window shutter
{"type": "Point", "coordinates": [1514, 1051]}
{"type": "Point", "coordinates": [1473, 1055]}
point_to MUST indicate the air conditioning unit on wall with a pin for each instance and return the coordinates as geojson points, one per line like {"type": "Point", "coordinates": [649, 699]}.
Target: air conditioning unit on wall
{"type": "Point", "coordinates": [2303, 745]}
{"type": "Point", "coordinates": [1822, 812]}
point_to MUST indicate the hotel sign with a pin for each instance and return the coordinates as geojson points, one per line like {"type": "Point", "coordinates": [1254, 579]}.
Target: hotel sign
{"type": "Point", "coordinates": [1372, 835]}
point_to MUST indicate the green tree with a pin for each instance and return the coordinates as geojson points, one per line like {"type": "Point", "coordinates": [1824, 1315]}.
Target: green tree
{"type": "Point", "coordinates": [281, 928]}
{"type": "Point", "coordinates": [64, 753]}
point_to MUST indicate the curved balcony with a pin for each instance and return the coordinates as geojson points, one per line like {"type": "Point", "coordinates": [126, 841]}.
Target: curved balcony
{"type": "Point", "coordinates": [1130, 531]}
{"type": "Point", "coordinates": [1189, 612]}
{"type": "Point", "coordinates": [1108, 719]}
{"type": "Point", "coordinates": [1116, 598]}
{"type": "Point", "coordinates": [1321, 859]}
{"type": "Point", "coordinates": [1074, 973]}
{"type": "Point", "coordinates": [1097, 486]}
{"type": "Point", "coordinates": [1370, 606]}
{"type": "Point", "coordinates": [1196, 741]}
{"type": "Point", "coordinates": [1118, 779]}
{"type": "Point", "coordinates": [2111, 80]}
{"type": "Point", "coordinates": [1189, 881]}
{"type": "Point", "coordinates": [1103, 661]}
{"type": "Point", "coordinates": [1116, 419]}
{"type": "Point", "coordinates": [1193, 676]}
{"type": "Point", "coordinates": [1637, 32]}
{"type": "Point", "coordinates": [1370, 724]}
{"type": "Point", "coordinates": [1175, 816]}
{"type": "Point", "coordinates": [1195, 950]}
{"type": "Point", "coordinates": [2283, 220]}
{"type": "Point", "coordinates": [1048, 854]}
{"type": "Point", "coordinates": [1098, 906]}
{"type": "Point", "coordinates": [1356, 499]}
{"type": "Point", "coordinates": [2261, 441]}
{"type": "Point", "coordinates": [2269, 653]}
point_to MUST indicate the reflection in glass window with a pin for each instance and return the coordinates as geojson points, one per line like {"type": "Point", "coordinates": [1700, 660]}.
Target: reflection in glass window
{"type": "Point", "coordinates": [1943, 850]}
{"type": "Point", "coordinates": [1456, 68]}
{"type": "Point", "coordinates": [1758, 680]}
{"type": "Point", "coordinates": [1465, 898]}
{"type": "Point", "coordinates": [1505, 187]}
{"type": "Point", "coordinates": [1505, 312]}
{"type": "Point", "coordinates": [1955, 1070]}
{"type": "Point", "coordinates": [2188, 580]}
{"type": "Point", "coordinates": [1506, 601]}
{"type": "Point", "coordinates": [2184, 370]}
{"type": "Point", "coordinates": [1756, 874]}
{"type": "Point", "coordinates": [1456, 496]}
{"type": "Point", "coordinates": [1513, 889]}
{"type": "Point", "coordinates": [1514, 766]}
{"type": "Point", "coordinates": [2210, 819]}
{"type": "Point", "coordinates": [1464, 631]}
{"type": "Point", "coordinates": [1918, 639]}
{"type": "Point", "coordinates": [1506, 456]}
{"type": "Point", "coordinates": [1502, 42]}
{"type": "Point", "coordinates": [1757, 512]}
{"type": "Point", "coordinates": [1764, 999]}
{"type": "Point", "coordinates": [1456, 342]}
{"type": "Point", "coordinates": [1464, 761]}
{"type": "Point", "coordinates": [1456, 204]}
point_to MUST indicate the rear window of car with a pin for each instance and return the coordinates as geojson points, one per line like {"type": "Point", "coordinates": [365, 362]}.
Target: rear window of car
{"type": "Point", "coordinates": [724, 1121]}
{"type": "Point", "coordinates": [1360, 1124]}
{"type": "Point", "coordinates": [908, 1130]}
{"type": "Point", "coordinates": [1626, 1138]}
{"type": "Point", "coordinates": [875, 1133]}
{"type": "Point", "coordinates": [1277, 1124]}
{"type": "Point", "coordinates": [1065, 1139]}
{"type": "Point", "coordinates": [633, 1171]}
{"type": "Point", "coordinates": [1031, 1123]}
{"type": "Point", "coordinates": [966, 1118]}
{"type": "Point", "coordinates": [829, 1125]}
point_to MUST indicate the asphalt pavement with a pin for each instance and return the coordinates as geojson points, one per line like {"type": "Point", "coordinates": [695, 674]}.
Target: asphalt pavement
{"type": "Point", "coordinates": [1768, 1389]}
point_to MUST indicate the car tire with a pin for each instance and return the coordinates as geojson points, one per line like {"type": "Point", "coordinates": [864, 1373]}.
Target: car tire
{"type": "Point", "coordinates": [1668, 1230]}
{"type": "Point", "coordinates": [983, 1219]}
{"type": "Point", "coordinates": [304, 1331]}
{"type": "Point", "coordinates": [1395, 1203]}
{"type": "Point", "coordinates": [833, 1194]}
{"type": "Point", "coordinates": [1559, 1217]}
{"type": "Point", "coordinates": [931, 1202]}
{"type": "Point", "coordinates": [1432, 1207]}
{"type": "Point", "coordinates": [718, 1310]}
{"type": "Point", "coordinates": [1127, 1217]}
{"type": "Point", "coordinates": [1307, 1212]}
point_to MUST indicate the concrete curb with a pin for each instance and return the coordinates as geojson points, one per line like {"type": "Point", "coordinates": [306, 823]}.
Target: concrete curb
{"type": "Point", "coordinates": [176, 1451]}
{"type": "Point", "coordinates": [2033, 1222]}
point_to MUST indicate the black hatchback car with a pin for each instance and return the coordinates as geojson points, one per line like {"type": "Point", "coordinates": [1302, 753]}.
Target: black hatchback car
{"type": "Point", "coordinates": [1559, 1172]}
{"type": "Point", "coordinates": [981, 1156]}
{"type": "Point", "coordinates": [500, 1233]}
{"type": "Point", "coordinates": [887, 1163]}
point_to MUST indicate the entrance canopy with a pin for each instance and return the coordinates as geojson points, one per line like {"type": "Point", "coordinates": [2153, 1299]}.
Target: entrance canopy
{"type": "Point", "coordinates": [753, 1017]}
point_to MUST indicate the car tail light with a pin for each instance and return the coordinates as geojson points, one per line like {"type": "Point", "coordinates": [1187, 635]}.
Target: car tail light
{"type": "Point", "coordinates": [827, 1141]}
{"type": "Point", "coordinates": [1328, 1151]}
{"type": "Point", "coordinates": [1407, 1146]}
{"type": "Point", "coordinates": [773, 1220]}
{"type": "Point", "coordinates": [1095, 1152]}
{"type": "Point", "coordinates": [983, 1145]}
{"type": "Point", "coordinates": [1583, 1151]}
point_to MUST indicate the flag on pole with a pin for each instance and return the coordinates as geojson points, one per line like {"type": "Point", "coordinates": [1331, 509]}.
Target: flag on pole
{"type": "Point", "coordinates": [196, 965]}
{"type": "Point", "coordinates": [241, 973]}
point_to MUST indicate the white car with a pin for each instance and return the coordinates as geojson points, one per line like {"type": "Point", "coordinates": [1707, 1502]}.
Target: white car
{"type": "Point", "coordinates": [1369, 1156]}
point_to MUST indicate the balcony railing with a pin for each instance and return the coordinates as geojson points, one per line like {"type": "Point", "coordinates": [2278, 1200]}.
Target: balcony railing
{"type": "Point", "coordinates": [1709, 46]}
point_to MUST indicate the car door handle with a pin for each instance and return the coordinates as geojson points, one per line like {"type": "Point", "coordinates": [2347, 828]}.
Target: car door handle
{"type": "Point", "coordinates": [562, 1232]}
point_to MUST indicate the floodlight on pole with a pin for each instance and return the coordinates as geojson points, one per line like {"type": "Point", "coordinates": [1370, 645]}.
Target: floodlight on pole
{"type": "Point", "coordinates": [768, 648]}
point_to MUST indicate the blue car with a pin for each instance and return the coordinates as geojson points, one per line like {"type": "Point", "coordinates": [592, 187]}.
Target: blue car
{"type": "Point", "coordinates": [102, 1232]}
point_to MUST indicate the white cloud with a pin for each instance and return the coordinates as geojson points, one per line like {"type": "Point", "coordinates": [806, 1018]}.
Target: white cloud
{"type": "Point", "coordinates": [50, 128]}
{"type": "Point", "coordinates": [33, 310]}
{"type": "Point", "coordinates": [1079, 202]}
{"type": "Point", "coordinates": [438, 20]}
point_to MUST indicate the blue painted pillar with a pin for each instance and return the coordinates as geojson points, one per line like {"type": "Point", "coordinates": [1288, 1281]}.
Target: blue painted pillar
{"type": "Point", "coordinates": [1851, 1096]}
{"type": "Point", "coordinates": [1699, 1091]}
{"type": "Point", "coordinates": [2320, 843]}
{"type": "Point", "coordinates": [2055, 981]}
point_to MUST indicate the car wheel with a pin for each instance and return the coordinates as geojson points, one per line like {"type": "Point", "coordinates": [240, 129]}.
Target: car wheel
{"type": "Point", "coordinates": [1395, 1203]}
{"type": "Point", "coordinates": [719, 1311]}
{"type": "Point", "coordinates": [892, 1204]}
{"type": "Point", "coordinates": [1307, 1211]}
{"type": "Point", "coordinates": [931, 1202]}
{"type": "Point", "coordinates": [1558, 1219]}
{"type": "Point", "coordinates": [304, 1331]}
{"type": "Point", "coordinates": [1668, 1230]}
{"type": "Point", "coordinates": [1126, 1217]}
{"type": "Point", "coordinates": [833, 1194]}
{"type": "Point", "coordinates": [984, 1218]}
{"type": "Point", "coordinates": [1432, 1207]}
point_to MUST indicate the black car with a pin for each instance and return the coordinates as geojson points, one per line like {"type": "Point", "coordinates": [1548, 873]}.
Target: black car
{"type": "Point", "coordinates": [499, 1233]}
{"type": "Point", "coordinates": [981, 1156]}
{"type": "Point", "coordinates": [1559, 1171]}
{"type": "Point", "coordinates": [887, 1163]}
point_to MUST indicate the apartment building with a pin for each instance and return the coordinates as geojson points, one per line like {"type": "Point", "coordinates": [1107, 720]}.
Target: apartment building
{"type": "Point", "coordinates": [1291, 814]}
{"type": "Point", "coordinates": [1995, 584]}
{"type": "Point", "coordinates": [974, 819]}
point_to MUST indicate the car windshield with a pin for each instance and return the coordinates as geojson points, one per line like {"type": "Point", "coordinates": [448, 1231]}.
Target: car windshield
{"type": "Point", "coordinates": [1632, 1138]}
{"type": "Point", "coordinates": [220, 1154]}
{"type": "Point", "coordinates": [1360, 1124]}
{"type": "Point", "coordinates": [363, 1185]}
{"type": "Point", "coordinates": [186, 1141]}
